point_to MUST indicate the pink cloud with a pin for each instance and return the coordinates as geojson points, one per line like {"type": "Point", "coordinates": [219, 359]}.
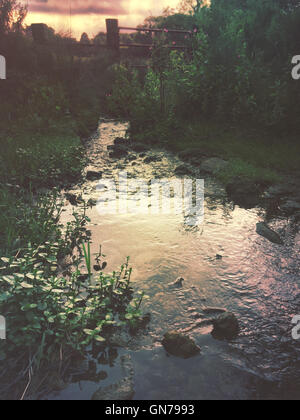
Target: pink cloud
{"type": "Point", "coordinates": [78, 7]}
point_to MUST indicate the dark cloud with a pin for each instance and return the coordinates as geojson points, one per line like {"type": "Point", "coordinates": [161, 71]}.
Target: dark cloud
{"type": "Point", "coordinates": [79, 7]}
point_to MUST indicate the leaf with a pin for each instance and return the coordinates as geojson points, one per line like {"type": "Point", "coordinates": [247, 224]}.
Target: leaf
{"type": "Point", "coordinates": [58, 291]}
{"type": "Point", "coordinates": [28, 307]}
{"type": "Point", "coordinates": [100, 339]}
{"type": "Point", "coordinates": [129, 316]}
{"type": "Point", "coordinates": [26, 285]}
{"type": "Point", "coordinates": [88, 332]}
{"type": "Point", "coordinates": [30, 276]}
{"type": "Point", "coordinates": [9, 279]}
{"type": "Point", "coordinates": [5, 260]}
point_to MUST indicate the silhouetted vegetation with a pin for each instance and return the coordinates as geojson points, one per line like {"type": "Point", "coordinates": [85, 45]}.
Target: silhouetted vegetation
{"type": "Point", "coordinates": [50, 102]}
{"type": "Point", "coordinates": [238, 78]}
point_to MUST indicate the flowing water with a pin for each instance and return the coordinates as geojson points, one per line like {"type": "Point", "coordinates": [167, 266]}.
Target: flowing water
{"type": "Point", "coordinates": [255, 279]}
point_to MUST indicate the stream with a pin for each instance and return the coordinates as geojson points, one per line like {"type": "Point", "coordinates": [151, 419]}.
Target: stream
{"type": "Point", "coordinates": [225, 264]}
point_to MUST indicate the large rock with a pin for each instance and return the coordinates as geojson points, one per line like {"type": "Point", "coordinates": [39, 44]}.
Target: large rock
{"type": "Point", "coordinates": [119, 141]}
{"type": "Point", "coordinates": [226, 326]}
{"type": "Point", "coordinates": [194, 156]}
{"type": "Point", "coordinates": [213, 165]}
{"type": "Point", "coordinates": [263, 230]}
{"type": "Point", "coordinates": [183, 170]}
{"type": "Point", "coordinates": [244, 193]}
{"type": "Point", "coordinates": [118, 153]}
{"type": "Point", "coordinates": [180, 345]}
{"type": "Point", "coordinates": [93, 175]}
{"type": "Point", "coordinates": [122, 390]}
{"type": "Point", "coordinates": [139, 147]}
{"type": "Point", "coordinates": [290, 207]}
{"type": "Point", "coordinates": [283, 190]}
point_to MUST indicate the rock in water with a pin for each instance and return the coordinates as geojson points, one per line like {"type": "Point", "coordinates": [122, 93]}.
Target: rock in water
{"type": "Point", "coordinates": [151, 159]}
{"type": "Point", "coordinates": [118, 152]}
{"type": "Point", "coordinates": [290, 207]}
{"type": "Point", "coordinates": [122, 390]}
{"type": "Point", "coordinates": [139, 147]}
{"type": "Point", "coordinates": [214, 311]}
{"type": "Point", "coordinates": [264, 230]}
{"type": "Point", "coordinates": [180, 345]}
{"type": "Point", "coordinates": [177, 283]}
{"type": "Point", "coordinates": [93, 175]}
{"type": "Point", "coordinates": [183, 170]}
{"type": "Point", "coordinates": [119, 141]}
{"type": "Point", "coordinates": [244, 193]}
{"type": "Point", "coordinates": [72, 198]}
{"type": "Point", "coordinates": [213, 165]}
{"type": "Point", "coordinates": [226, 326]}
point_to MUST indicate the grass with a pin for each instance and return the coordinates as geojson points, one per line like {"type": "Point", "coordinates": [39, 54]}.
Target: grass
{"type": "Point", "coordinates": [252, 153]}
{"type": "Point", "coordinates": [47, 159]}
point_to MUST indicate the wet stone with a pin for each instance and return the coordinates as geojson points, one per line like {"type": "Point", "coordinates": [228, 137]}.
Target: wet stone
{"type": "Point", "coordinates": [123, 389]}
{"type": "Point", "coordinates": [263, 230]}
{"type": "Point", "coordinates": [226, 326]}
{"type": "Point", "coordinates": [93, 175]}
{"type": "Point", "coordinates": [213, 165]}
{"type": "Point", "coordinates": [177, 284]}
{"type": "Point", "coordinates": [152, 159]}
{"type": "Point", "coordinates": [183, 170]}
{"type": "Point", "coordinates": [180, 345]}
{"type": "Point", "coordinates": [139, 147]}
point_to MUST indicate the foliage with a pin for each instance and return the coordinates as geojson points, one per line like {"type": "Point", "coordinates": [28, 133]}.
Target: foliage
{"type": "Point", "coordinates": [51, 310]}
{"type": "Point", "coordinates": [240, 67]}
{"type": "Point", "coordinates": [12, 15]}
{"type": "Point", "coordinates": [52, 100]}
{"type": "Point", "coordinates": [43, 307]}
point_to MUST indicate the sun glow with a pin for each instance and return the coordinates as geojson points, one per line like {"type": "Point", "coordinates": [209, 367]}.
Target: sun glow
{"type": "Point", "coordinates": [131, 12]}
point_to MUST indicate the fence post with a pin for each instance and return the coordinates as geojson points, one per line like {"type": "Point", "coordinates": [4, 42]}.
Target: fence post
{"type": "Point", "coordinates": [113, 34]}
{"type": "Point", "coordinates": [38, 32]}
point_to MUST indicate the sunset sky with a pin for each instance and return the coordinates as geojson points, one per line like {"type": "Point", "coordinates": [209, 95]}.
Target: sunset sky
{"type": "Point", "coordinates": [89, 15]}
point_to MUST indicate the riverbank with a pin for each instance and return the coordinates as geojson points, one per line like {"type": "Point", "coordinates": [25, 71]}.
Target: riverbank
{"type": "Point", "coordinates": [255, 166]}
{"type": "Point", "coordinates": [45, 266]}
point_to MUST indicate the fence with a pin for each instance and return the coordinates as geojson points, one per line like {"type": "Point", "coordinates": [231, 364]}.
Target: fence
{"type": "Point", "coordinates": [113, 42]}
{"type": "Point", "coordinates": [113, 35]}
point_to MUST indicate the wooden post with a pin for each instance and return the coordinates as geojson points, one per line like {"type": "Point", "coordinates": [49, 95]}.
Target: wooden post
{"type": "Point", "coordinates": [113, 34]}
{"type": "Point", "coordinates": [38, 32]}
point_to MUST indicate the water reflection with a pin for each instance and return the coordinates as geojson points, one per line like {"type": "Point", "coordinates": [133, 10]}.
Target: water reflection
{"type": "Point", "coordinates": [225, 264]}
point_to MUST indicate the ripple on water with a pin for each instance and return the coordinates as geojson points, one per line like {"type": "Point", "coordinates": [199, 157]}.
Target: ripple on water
{"type": "Point", "coordinates": [255, 279]}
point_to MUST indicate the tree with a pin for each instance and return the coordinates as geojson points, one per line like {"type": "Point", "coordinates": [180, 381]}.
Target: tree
{"type": "Point", "coordinates": [84, 38]}
{"type": "Point", "coordinates": [192, 6]}
{"type": "Point", "coordinates": [12, 15]}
